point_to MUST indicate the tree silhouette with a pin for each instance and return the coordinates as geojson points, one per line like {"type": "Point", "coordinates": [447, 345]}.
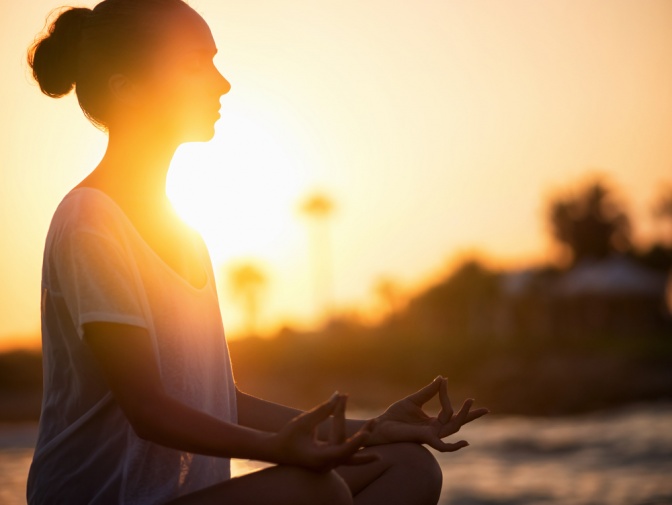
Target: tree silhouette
{"type": "Point", "coordinates": [247, 282]}
{"type": "Point", "coordinates": [319, 207]}
{"type": "Point", "coordinates": [590, 225]}
{"type": "Point", "coordinates": [662, 211]}
{"type": "Point", "coordinates": [457, 305]}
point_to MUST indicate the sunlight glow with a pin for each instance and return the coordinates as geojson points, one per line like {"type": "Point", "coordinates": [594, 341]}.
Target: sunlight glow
{"type": "Point", "coordinates": [239, 190]}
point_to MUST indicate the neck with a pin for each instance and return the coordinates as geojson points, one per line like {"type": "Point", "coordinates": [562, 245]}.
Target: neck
{"type": "Point", "coordinates": [134, 168]}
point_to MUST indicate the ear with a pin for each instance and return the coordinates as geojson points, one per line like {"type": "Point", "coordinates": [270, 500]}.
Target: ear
{"type": "Point", "coordinates": [123, 89]}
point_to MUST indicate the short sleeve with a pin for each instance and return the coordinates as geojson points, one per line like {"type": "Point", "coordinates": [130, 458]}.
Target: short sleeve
{"type": "Point", "coordinates": [97, 280]}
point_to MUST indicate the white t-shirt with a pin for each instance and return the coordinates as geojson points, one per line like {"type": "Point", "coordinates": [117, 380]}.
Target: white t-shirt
{"type": "Point", "coordinates": [97, 267]}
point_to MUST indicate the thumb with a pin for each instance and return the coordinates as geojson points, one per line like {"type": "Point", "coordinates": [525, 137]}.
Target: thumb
{"type": "Point", "coordinates": [310, 419]}
{"type": "Point", "coordinates": [427, 393]}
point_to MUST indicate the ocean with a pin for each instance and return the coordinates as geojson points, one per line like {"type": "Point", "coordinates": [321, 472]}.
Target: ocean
{"type": "Point", "coordinates": [618, 457]}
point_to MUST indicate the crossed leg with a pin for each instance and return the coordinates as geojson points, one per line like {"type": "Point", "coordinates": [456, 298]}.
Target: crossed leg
{"type": "Point", "coordinates": [281, 485]}
{"type": "Point", "coordinates": [405, 474]}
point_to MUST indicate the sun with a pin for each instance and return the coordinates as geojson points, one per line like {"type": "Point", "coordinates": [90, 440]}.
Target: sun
{"type": "Point", "coordinates": [240, 190]}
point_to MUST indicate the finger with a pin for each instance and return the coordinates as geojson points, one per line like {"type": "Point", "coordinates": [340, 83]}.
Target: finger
{"type": "Point", "coordinates": [442, 446]}
{"type": "Point", "coordinates": [355, 442]}
{"type": "Point", "coordinates": [337, 434]}
{"type": "Point", "coordinates": [461, 417]}
{"type": "Point", "coordinates": [475, 414]}
{"type": "Point", "coordinates": [446, 413]}
{"type": "Point", "coordinates": [358, 439]}
{"type": "Point", "coordinates": [458, 420]}
{"type": "Point", "coordinates": [310, 419]}
{"type": "Point", "coordinates": [340, 454]}
{"type": "Point", "coordinates": [427, 393]}
{"type": "Point", "coordinates": [335, 455]}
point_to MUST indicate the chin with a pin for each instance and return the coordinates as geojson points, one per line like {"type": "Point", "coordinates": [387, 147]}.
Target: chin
{"type": "Point", "coordinates": [195, 126]}
{"type": "Point", "coordinates": [202, 135]}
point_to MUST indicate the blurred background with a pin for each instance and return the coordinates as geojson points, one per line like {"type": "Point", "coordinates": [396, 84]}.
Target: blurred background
{"type": "Point", "coordinates": [397, 190]}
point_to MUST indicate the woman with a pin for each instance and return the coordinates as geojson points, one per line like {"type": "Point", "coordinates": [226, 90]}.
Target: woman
{"type": "Point", "coordinates": [140, 406]}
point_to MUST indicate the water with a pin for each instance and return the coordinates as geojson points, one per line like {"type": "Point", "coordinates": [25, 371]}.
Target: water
{"type": "Point", "coordinates": [621, 457]}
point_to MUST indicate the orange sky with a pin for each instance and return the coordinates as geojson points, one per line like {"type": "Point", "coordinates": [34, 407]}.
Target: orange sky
{"type": "Point", "coordinates": [435, 126]}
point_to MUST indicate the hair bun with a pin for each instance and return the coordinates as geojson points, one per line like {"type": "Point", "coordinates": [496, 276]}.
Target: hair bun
{"type": "Point", "coordinates": [54, 56]}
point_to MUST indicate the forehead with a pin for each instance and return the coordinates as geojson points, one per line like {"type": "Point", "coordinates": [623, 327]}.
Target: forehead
{"type": "Point", "coordinates": [185, 32]}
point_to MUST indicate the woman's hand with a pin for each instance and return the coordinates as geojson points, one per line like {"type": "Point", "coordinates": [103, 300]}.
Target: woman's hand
{"type": "Point", "coordinates": [406, 421]}
{"type": "Point", "coordinates": [297, 444]}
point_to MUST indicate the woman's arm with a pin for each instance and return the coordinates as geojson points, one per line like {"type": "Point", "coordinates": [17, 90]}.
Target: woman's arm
{"type": "Point", "coordinates": [126, 357]}
{"type": "Point", "coordinates": [403, 421]}
{"type": "Point", "coordinates": [267, 416]}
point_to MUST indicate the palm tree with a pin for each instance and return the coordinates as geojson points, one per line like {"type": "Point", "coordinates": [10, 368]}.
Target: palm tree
{"type": "Point", "coordinates": [247, 282]}
{"type": "Point", "coordinates": [319, 207]}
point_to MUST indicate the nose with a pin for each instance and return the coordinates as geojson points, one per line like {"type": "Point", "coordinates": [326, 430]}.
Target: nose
{"type": "Point", "coordinates": [224, 86]}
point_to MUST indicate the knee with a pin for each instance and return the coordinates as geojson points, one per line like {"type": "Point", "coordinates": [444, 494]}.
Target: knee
{"type": "Point", "coordinates": [326, 488]}
{"type": "Point", "coordinates": [421, 467]}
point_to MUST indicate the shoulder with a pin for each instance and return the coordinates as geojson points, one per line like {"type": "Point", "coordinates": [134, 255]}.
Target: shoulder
{"type": "Point", "coordinates": [87, 210]}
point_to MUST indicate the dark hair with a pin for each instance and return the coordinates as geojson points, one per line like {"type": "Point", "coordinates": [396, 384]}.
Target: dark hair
{"type": "Point", "coordinates": [83, 48]}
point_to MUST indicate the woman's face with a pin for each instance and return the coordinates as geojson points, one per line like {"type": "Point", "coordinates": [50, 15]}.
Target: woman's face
{"type": "Point", "coordinates": [181, 89]}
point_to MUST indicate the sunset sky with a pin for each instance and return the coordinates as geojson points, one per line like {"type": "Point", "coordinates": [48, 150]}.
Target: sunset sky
{"type": "Point", "coordinates": [437, 127]}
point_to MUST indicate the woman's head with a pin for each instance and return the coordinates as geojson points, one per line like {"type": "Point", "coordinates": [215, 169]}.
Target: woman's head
{"type": "Point", "coordinates": [151, 59]}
